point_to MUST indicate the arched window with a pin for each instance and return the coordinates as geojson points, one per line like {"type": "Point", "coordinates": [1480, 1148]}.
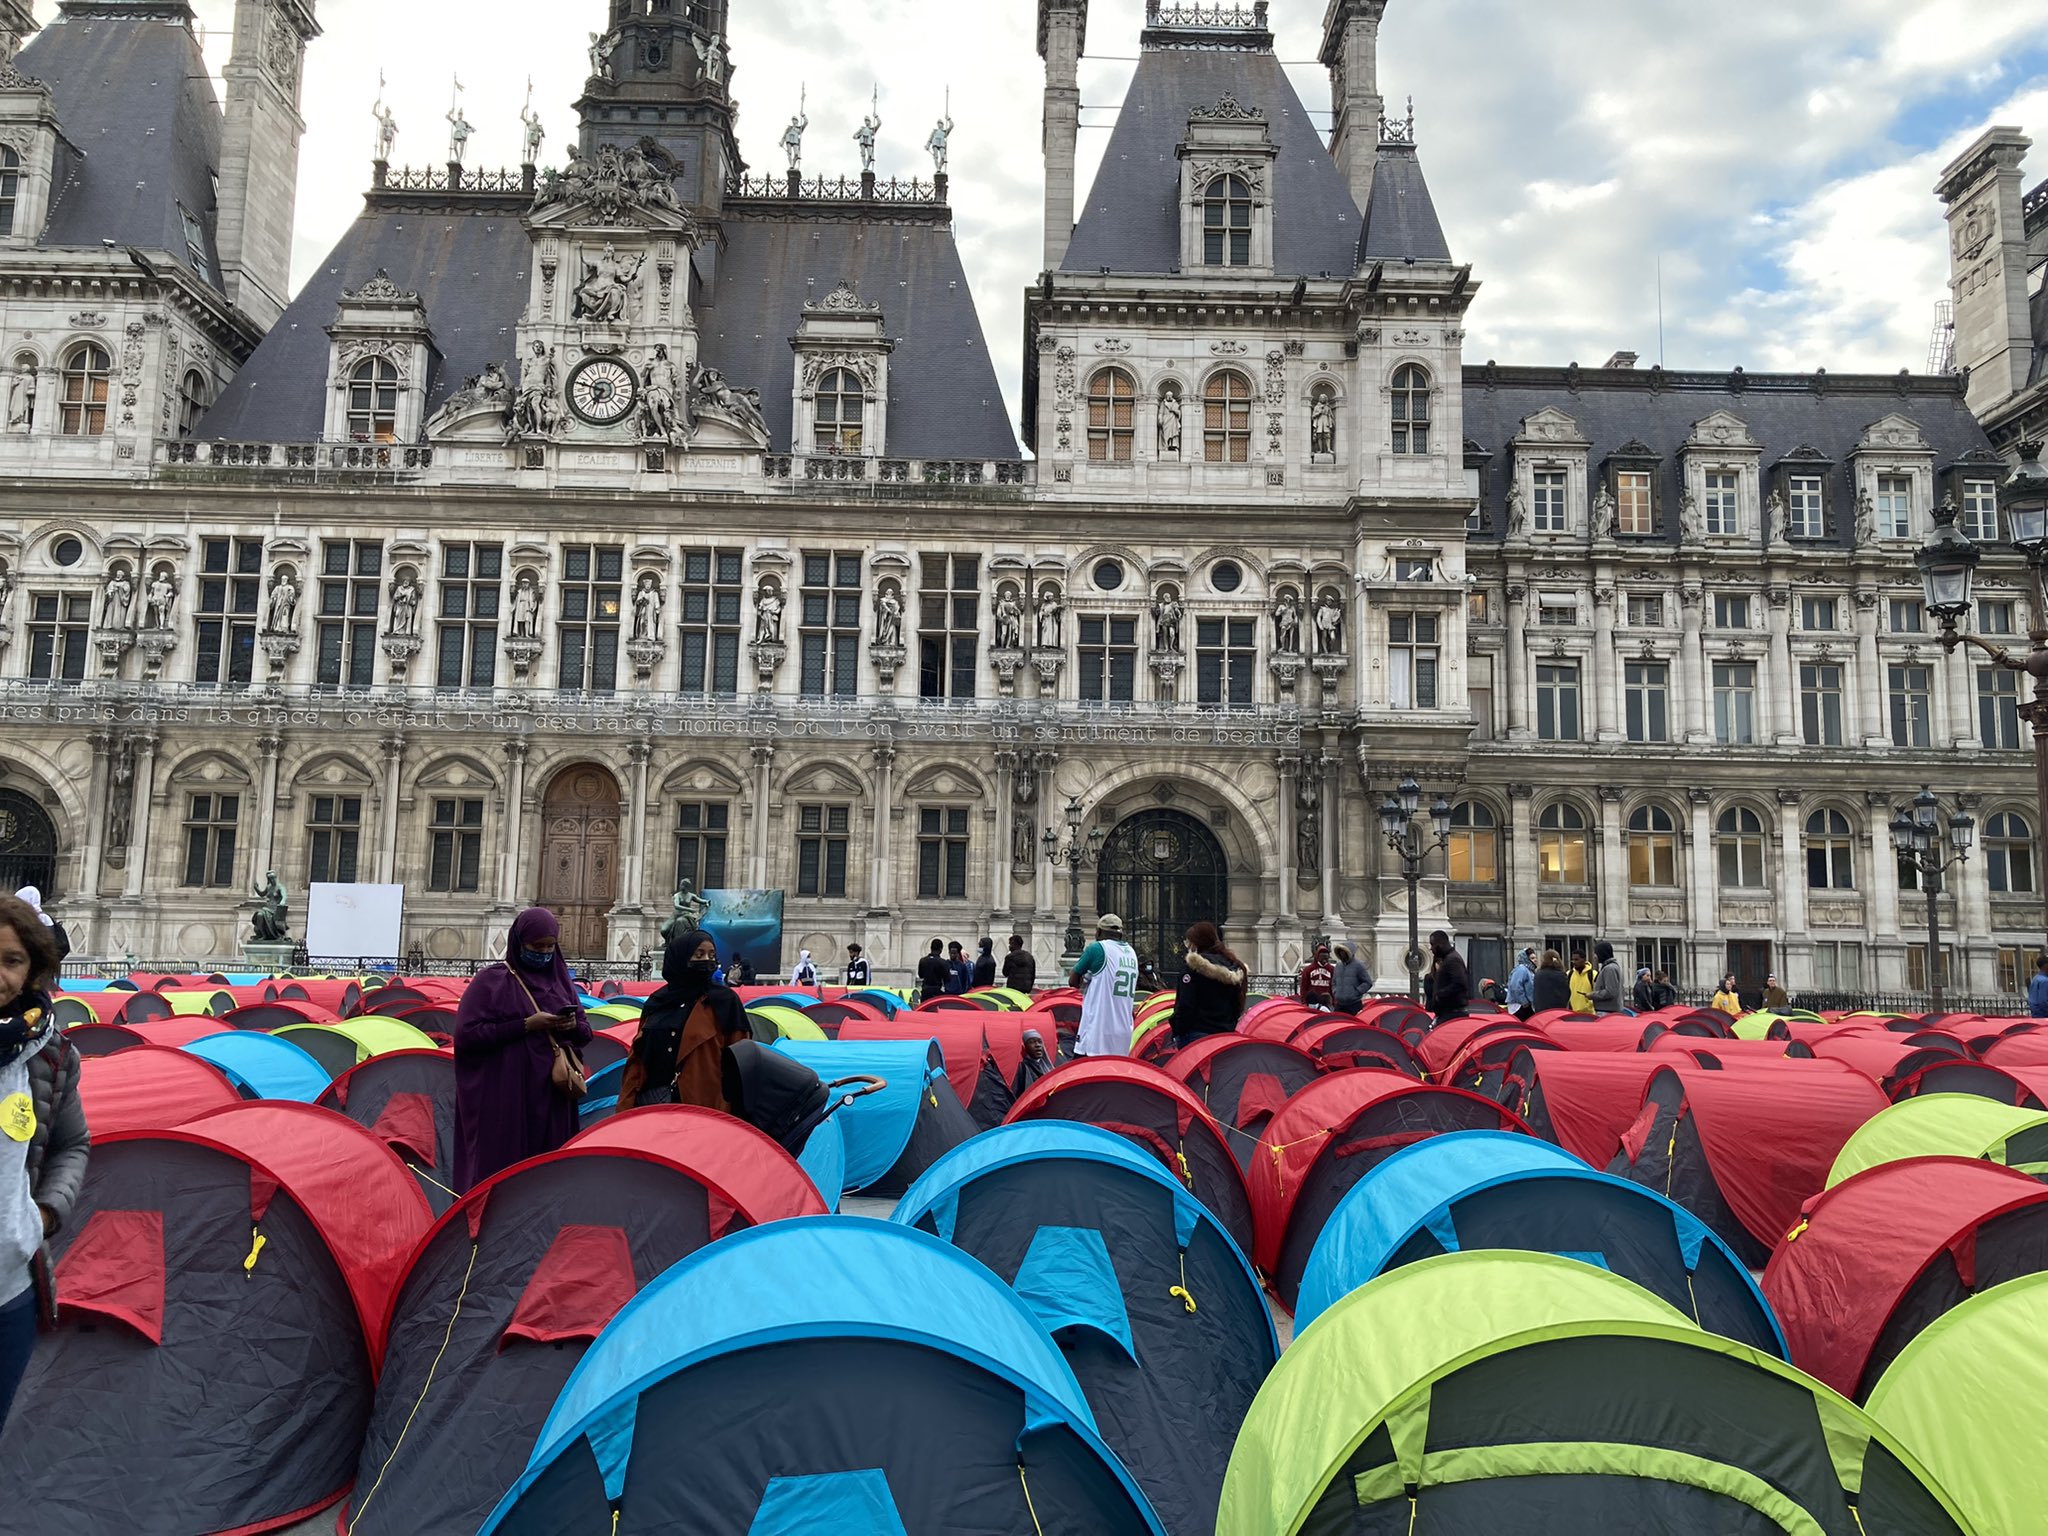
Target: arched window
{"type": "Point", "coordinates": [87, 371]}
{"type": "Point", "coordinates": [1652, 848]}
{"type": "Point", "coordinates": [2009, 854]}
{"type": "Point", "coordinates": [1473, 857]}
{"type": "Point", "coordinates": [1561, 846]}
{"type": "Point", "coordinates": [191, 402]}
{"type": "Point", "coordinates": [1112, 411]}
{"type": "Point", "coordinates": [1227, 222]}
{"type": "Point", "coordinates": [1227, 419]}
{"type": "Point", "coordinates": [1830, 852]}
{"type": "Point", "coordinates": [841, 413]}
{"type": "Point", "coordinates": [10, 188]}
{"type": "Point", "coordinates": [1740, 834]}
{"type": "Point", "coordinates": [1411, 409]}
{"type": "Point", "coordinates": [373, 402]}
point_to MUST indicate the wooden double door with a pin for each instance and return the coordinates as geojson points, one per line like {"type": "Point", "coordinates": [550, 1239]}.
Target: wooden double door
{"type": "Point", "coordinates": [579, 870]}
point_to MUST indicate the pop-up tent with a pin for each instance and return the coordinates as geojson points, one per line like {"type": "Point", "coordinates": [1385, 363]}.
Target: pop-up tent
{"type": "Point", "coordinates": [337, 1047]}
{"type": "Point", "coordinates": [1882, 1255]}
{"type": "Point", "coordinates": [509, 1289]}
{"type": "Point", "coordinates": [835, 1375]}
{"type": "Point", "coordinates": [1482, 1392]}
{"type": "Point", "coordinates": [1243, 1082]}
{"type": "Point", "coordinates": [406, 1100]}
{"type": "Point", "coordinates": [263, 1066]}
{"type": "Point", "coordinates": [1487, 1189]}
{"type": "Point", "coordinates": [1340, 1043]}
{"type": "Point", "coordinates": [893, 1135]}
{"type": "Point", "coordinates": [971, 1068]}
{"type": "Point", "coordinates": [1584, 1100]}
{"type": "Point", "coordinates": [149, 1088]}
{"type": "Point", "coordinates": [1153, 1305]}
{"type": "Point", "coordinates": [1948, 1125]}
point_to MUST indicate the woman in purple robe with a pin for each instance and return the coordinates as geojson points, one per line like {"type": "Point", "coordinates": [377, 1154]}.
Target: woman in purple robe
{"type": "Point", "coordinates": [507, 1107]}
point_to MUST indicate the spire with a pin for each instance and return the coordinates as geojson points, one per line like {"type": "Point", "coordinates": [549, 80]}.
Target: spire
{"type": "Point", "coordinates": [661, 73]}
{"type": "Point", "coordinates": [1351, 53]}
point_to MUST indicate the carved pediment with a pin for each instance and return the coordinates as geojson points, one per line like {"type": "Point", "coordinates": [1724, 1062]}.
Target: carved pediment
{"type": "Point", "coordinates": [1635, 450]}
{"type": "Point", "coordinates": [631, 188]}
{"type": "Point", "coordinates": [945, 783]}
{"type": "Point", "coordinates": [1893, 434]}
{"type": "Point", "coordinates": [1721, 431]}
{"type": "Point", "coordinates": [1551, 425]}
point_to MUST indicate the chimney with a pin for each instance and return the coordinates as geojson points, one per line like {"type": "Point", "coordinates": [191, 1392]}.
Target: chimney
{"type": "Point", "coordinates": [1062, 35]}
{"type": "Point", "coordinates": [17, 25]}
{"type": "Point", "coordinates": [1351, 53]}
{"type": "Point", "coordinates": [1622, 360]}
{"type": "Point", "coordinates": [1987, 243]}
{"type": "Point", "coordinates": [259, 154]}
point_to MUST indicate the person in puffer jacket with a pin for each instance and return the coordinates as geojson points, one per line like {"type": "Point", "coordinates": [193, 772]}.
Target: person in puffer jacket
{"type": "Point", "coordinates": [43, 1139]}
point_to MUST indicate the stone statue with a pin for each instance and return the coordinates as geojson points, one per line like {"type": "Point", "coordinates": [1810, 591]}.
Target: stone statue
{"type": "Point", "coordinates": [1050, 610]}
{"type": "Point", "coordinates": [121, 797]}
{"type": "Point", "coordinates": [1329, 619]}
{"type": "Point", "coordinates": [1867, 530]}
{"type": "Point", "coordinates": [1322, 425]}
{"type": "Point", "coordinates": [1023, 828]}
{"type": "Point", "coordinates": [117, 607]}
{"type": "Point", "coordinates": [888, 616]}
{"type": "Point", "coordinates": [1308, 825]}
{"type": "Point", "coordinates": [647, 606]}
{"type": "Point", "coordinates": [1777, 517]}
{"type": "Point", "coordinates": [271, 923]}
{"type": "Point", "coordinates": [793, 141]}
{"type": "Point", "coordinates": [936, 144]}
{"type": "Point", "coordinates": [602, 45]}
{"type": "Point", "coordinates": [1009, 620]}
{"type": "Point", "coordinates": [1287, 623]}
{"type": "Point", "coordinates": [660, 399]}
{"type": "Point", "coordinates": [1603, 514]}
{"type": "Point", "coordinates": [1691, 529]}
{"type": "Point", "coordinates": [1169, 425]}
{"type": "Point", "coordinates": [710, 389]}
{"type": "Point", "coordinates": [387, 132]}
{"type": "Point", "coordinates": [21, 395]}
{"type": "Point", "coordinates": [539, 409]}
{"type": "Point", "coordinates": [1167, 612]}
{"type": "Point", "coordinates": [459, 131]}
{"type": "Point", "coordinates": [711, 58]}
{"type": "Point", "coordinates": [686, 912]}
{"type": "Point", "coordinates": [864, 135]}
{"type": "Point", "coordinates": [1518, 512]}
{"type": "Point", "coordinates": [768, 615]}
{"type": "Point", "coordinates": [284, 604]}
{"type": "Point", "coordinates": [6, 590]}
{"type": "Point", "coordinates": [536, 134]}
{"type": "Point", "coordinates": [405, 603]}
{"type": "Point", "coordinates": [607, 284]}
{"type": "Point", "coordinates": [525, 608]}
{"type": "Point", "coordinates": [162, 599]}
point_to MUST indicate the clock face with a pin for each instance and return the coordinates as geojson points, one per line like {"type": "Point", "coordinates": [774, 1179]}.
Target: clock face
{"type": "Point", "coordinates": [602, 391]}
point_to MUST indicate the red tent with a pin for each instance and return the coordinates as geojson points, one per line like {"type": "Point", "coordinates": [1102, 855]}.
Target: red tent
{"type": "Point", "coordinates": [739, 1165]}
{"type": "Point", "coordinates": [1342, 1042]}
{"type": "Point", "coordinates": [1398, 1016]}
{"type": "Point", "coordinates": [149, 1088]}
{"type": "Point", "coordinates": [2023, 1048]}
{"type": "Point", "coordinates": [1710, 1053]}
{"type": "Point", "coordinates": [1440, 1048]}
{"type": "Point", "coordinates": [1615, 1032]}
{"type": "Point", "coordinates": [406, 1099]}
{"type": "Point", "coordinates": [1881, 1255]}
{"type": "Point", "coordinates": [972, 1068]}
{"type": "Point", "coordinates": [1584, 1100]}
{"type": "Point", "coordinates": [1243, 1082]}
{"type": "Point", "coordinates": [1884, 1058]}
{"type": "Point", "coordinates": [2024, 1086]}
{"type": "Point", "coordinates": [1492, 1065]}
{"type": "Point", "coordinates": [1280, 1019]}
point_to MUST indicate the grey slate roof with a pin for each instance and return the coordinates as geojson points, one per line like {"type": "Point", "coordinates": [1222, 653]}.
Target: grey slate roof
{"type": "Point", "coordinates": [1783, 412]}
{"type": "Point", "coordinates": [1402, 224]}
{"type": "Point", "coordinates": [135, 103]}
{"type": "Point", "coordinates": [1131, 219]}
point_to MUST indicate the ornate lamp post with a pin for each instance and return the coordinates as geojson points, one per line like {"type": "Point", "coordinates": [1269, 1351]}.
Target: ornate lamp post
{"type": "Point", "coordinates": [1948, 563]}
{"type": "Point", "coordinates": [1932, 850]}
{"type": "Point", "coordinates": [1077, 854]}
{"type": "Point", "coordinates": [1405, 840]}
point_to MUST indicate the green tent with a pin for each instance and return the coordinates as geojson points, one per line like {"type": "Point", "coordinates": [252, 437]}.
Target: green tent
{"type": "Point", "coordinates": [613, 1013]}
{"type": "Point", "coordinates": [1947, 1125]}
{"type": "Point", "coordinates": [1756, 1026]}
{"type": "Point", "coordinates": [200, 1003]}
{"type": "Point", "coordinates": [785, 1022]}
{"type": "Point", "coordinates": [1497, 1391]}
{"type": "Point", "coordinates": [1962, 1397]}
{"type": "Point", "coordinates": [338, 1047]}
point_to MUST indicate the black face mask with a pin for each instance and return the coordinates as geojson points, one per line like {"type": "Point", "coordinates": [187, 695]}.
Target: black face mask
{"type": "Point", "coordinates": [703, 967]}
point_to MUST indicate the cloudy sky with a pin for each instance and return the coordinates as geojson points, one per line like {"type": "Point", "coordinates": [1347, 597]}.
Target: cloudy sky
{"type": "Point", "coordinates": [1777, 156]}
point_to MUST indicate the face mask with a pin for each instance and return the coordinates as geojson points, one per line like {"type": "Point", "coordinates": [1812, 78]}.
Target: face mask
{"type": "Point", "coordinates": [704, 967]}
{"type": "Point", "coordinates": [536, 959]}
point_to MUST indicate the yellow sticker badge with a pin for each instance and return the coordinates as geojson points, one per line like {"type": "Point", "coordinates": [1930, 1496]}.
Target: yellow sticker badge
{"type": "Point", "coordinates": [17, 1117]}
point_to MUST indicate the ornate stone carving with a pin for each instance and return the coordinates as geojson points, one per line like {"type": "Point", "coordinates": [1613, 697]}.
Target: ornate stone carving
{"type": "Point", "coordinates": [380, 289]}
{"type": "Point", "coordinates": [615, 187]}
{"type": "Point", "coordinates": [862, 365]}
{"type": "Point", "coordinates": [1227, 110]}
{"type": "Point", "coordinates": [842, 299]}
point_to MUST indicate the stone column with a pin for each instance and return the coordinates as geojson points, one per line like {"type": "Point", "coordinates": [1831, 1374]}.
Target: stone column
{"type": "Point", "coordinates": [271, 746]}
{"type": "Point", "coordinates": [1976, 956]}
{"type": "Point", "coordinates": [641, 754]}
{"type": "Point", "coordinates": [516, 751]}
{"type": "Point", "coordinates": [999, 859]}
{"type": "Point", "coordinates": [1049, 815]}
{"type": "Point", "coordinates": [1784, 719]}
{"type": "Point", "coordinates": [394, 770]}
{"type": "Point", "coordinates": [1606, 691]}
{"type": "Point", "coordinates": [1703, 887]}
{"type": "Point", "coordinates": [97, 814]}
{"type": "Point", "coordinates": [1881, 872]}
{"type": "Point", "coordinates": [1962, 701]}
{"type": "Point", "coordinates": [1792, 872]}
{"type": "Point", "coordinates": [1693, 663]}
{"type": "Point", "coordinates": [138, 837]}
{"type": "Point", "coordinates": [1326, 768]}
{"type": "Point", "coordinates": [1286, 767]}
{"type": "Point", "coordinates": [1524, 924]}
{"type": "Point", "coordinates": [1871, 726]}
{"type": "Point", "coordinates": [764, 786]}
{"type": "Point", "coordinates": [881, 874]}
{"type": "Point", "coordinates": [1613, 908]}
{"type": "Point", "coordinates": [1515, 665]}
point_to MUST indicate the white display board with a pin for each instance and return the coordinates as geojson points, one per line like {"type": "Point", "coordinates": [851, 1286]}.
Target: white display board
{"type": "Point", "coordinates": [355, 922]}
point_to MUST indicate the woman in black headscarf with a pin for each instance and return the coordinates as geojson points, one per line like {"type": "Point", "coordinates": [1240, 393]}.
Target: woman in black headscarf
{"type": "Point", "coordinates": [679, 1054]}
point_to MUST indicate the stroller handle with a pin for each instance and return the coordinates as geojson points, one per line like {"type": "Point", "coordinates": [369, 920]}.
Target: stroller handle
{"type": "Point", "coordinates": [862, 1086]}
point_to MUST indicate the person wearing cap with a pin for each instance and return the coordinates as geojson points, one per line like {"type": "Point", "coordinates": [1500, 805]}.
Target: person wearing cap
{"type": "Point", "coordinates": [1643, 998]}
{"type": "Point", "coordinates": [1522, 985]}
{"type": "Point", "coordinates": [858, 972]}
{"type": "Point", "coordinates": [1037, 1062]}
{"type": "Point", "coordinates": [1351, 982]}
{"type": "Point", "coordinates": [1107, 974]}
{"type": "Point", "coordinates": [1317, 979]}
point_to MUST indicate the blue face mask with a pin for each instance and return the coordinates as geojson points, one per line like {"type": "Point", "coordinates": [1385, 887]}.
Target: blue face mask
{"type": "Point", "coordinates": [536, 959]}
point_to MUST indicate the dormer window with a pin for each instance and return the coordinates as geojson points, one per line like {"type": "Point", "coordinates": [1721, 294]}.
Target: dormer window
{"type": "Point", "coordinates": [1633, 513]}
{"type": "Point", "coordinates": [192, 402]}
{"type": "Point", "coordinates": [841, 412]}
{"type": "Point", "coordinates": [1226, 189]}
{"type": "Point", "coordinates": [373, 402]}
{"type": "Point", "coordinates": [1112, 416]}
{"type": "Point", "coordinates": [840, 403]}
{"type": "Point", "coordinates": [87, 372]}
{"type": "Point", "coordinates": [380, 357]}
{"type": "Point", "coordinates": [1411, 409]}
{"type": "Point", "coordinates": [195, 245]}
{"type": "Point", "coordinates": [1806, 505]}
{"type": "Point", "coordinates": [1227, 223]}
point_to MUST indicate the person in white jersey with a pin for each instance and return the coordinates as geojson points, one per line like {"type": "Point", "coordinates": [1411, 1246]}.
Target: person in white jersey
{"type": "Point", "coordinates": [1108, 971]}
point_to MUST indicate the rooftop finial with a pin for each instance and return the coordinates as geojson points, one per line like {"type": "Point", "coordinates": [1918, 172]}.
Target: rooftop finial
{"type": "Point", "coordinates": [1392, 132]}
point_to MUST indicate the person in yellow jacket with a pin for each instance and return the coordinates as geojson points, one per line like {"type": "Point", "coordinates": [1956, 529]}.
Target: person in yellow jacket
{"type": "Point", "coordinates": [1582, 979]}
{"type": "Point", "coordinates": [1725, 1000]}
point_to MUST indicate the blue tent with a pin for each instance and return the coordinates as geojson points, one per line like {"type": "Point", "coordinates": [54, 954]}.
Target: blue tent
{"type": "Point", "coordinates": [875, 997]}
{"type": "Point", "coordinates": [602, 1102]}
{"type": "Point", "coordinates": [1154, 1306]}
{"type": "Point", "coordinates": [1489, 1189]}
{"type": "Point", "coordinates": [263, 1065]}
{"type": "Point", "coordinates": [894, 1135]}
{"type": "Point", "coordinates": [824, 1159]}
{"type": "Point", "coordinates": [829, 1374]}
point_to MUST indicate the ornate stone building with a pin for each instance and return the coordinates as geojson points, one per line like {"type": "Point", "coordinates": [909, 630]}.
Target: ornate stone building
{"type": "Point", "coordinates": [577, 531]}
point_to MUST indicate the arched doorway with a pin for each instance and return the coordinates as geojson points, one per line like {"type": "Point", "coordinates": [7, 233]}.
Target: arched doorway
{"type": "Point", "coordinates": [579, 853]}
{"type": "Point", "coordinates": [28, 845]}
{"type": "Point", "coordinates": [1162, 871]}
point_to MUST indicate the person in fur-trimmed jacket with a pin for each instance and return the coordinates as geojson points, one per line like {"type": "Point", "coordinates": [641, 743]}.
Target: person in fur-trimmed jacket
{"type": "Point", "coordinates": [1209, 999]}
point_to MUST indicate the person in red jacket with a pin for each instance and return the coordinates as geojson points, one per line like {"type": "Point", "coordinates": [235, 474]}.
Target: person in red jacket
{"type": "Point", "coordinates": [1313, 985]}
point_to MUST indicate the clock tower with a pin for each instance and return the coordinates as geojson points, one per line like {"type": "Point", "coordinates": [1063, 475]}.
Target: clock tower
{"type": "Point", "coordinates": [661, 78]}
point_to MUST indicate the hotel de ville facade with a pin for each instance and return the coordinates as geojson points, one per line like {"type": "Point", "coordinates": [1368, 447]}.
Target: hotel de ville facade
{"type": "Point", "coordinates": [584, 528]}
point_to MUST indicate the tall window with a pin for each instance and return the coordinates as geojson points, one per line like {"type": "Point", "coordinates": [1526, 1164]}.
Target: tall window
{"type": "Point", "coordinates": [59, 636]}
{"type": "Point", "coordinates": [1994, 617]}
{"type": "Point", "coordinates": [230, 597]}
{"type": "Point", "coordinates": [1739, 839]}
{"type": "Point", "coordinates": [1112, 416]}
{"type": "Point", "coordinates": [822, 832]}
{"type": "Point", "coordinates": [1916, 967]}
{"type": "Point", "coordinates": [713, 599]}
{"type": "Point", "coordinates": [1724, 505]}
{"type": "Point", "coordinates": [701, 829]}
{"type": "Point", "coordinates": [1735, 703]}
{"type": "Point", "coordinates": [373, 402]}
{"type": "Point", "coordinates": [1646, 610]}
{"type": "Point", "coordinates": [1549, 510]}
{"type": "Point", "coordinates": [87, 372]}
{"type": "Point", "coordinates": [949, 625]}
{"type": "Point", "coordinates": [1557, 612]}
{"type": "Point", "coordinates": [1227, 222]}
{"type": "Point", "coordinates": [1411, 409]}
{"type": "Point", "coordinates": [1731, 611]}
{"type": "Point", "coordinates": [942, 853]}
{"type": "Point", "coordinates": [1646, 699]}
{"type": "Point", "coordinates": [841, 409]}
{"type": "Point", "coordinates": [10, 188]}
{"type": "Point", "coordinates": [195, 243]}
{"type": "Point", "coordinates": [1895, 506]}
{"type": "Point", "coordinates": [1819, 615]}
{"type": "Point", "coordinates": [1838, 966]}
{"type": "Point", "coordinates": [334, 832]}
{"type": "Point", "coordinates": [210, 840]}
{"type": "Point", "coordinates": [1830, 852]}
{"type": "Point", "coordinates": [1820, 704]}
{"type": "Point", "coordinates": [472, 592]}
{"type": "Point", "coordinates": [349, 587]}
{"type": "Point", "coordinates": [1912, 705]}
{"type": "Point", "coordinates": [1561, 846]}
{"type": "Point", "coordinates": [1412, 660]}
{"type": "Point", "coordinates": [831, 626]}
{"type": "Point", "coordinates": [1109, 660]}
{"type": "Point", "coordinates": [1907, 615]}
{"type": "Point", "coordinates": [592, 581]}
{"type": "Point", "coordinates": [1224, 652]}
{"type": "Point", "coordinates": [456, 861]}
{"type": "Point", "coordinates": [1807, 495]}
{"type": "Point", "coordinates": [1979, 522]}
{"type": "Point", "coordinates": [1227, 419]}
{"type": "Point", "coordinates": [192, 402]}
{"type": "Point", "coordinates": [1473, 857]}
{"type": "Point", "coordinates": [2009, 854]}
{"type": "Point", "coordinates": [1633, 513]}
{"type": "Point", "coordinates": [1652, 848]}
{"type": "Point", "coordinates": [1998, 708]}
{"type": "Point", "coordinates": [1557, 701]}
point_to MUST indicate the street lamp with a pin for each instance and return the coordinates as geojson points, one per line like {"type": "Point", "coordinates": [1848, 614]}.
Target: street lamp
{"type": "Point", "coordinates": [1932, 846]}
{"type": "Point", "coordinates": [1405, 840]}
{"type": "Point", "coordinates": [1948, 563]}
{"type": "Point", "coordinates": [1077, 854]}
